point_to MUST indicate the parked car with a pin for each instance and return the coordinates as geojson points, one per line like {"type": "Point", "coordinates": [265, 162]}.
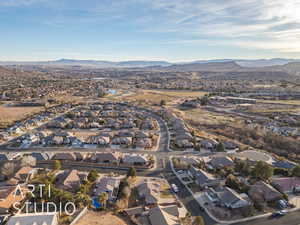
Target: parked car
{"type": "Point", "coordinates": [282, 204]}
{"type": "Point", "coordinates": [278, 214]}
{"type": "Point", "coordinates": [174, 188]}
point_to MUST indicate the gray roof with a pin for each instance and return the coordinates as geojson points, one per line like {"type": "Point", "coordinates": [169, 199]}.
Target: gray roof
{"type": "Point", "coordinates": [228, 196]}
{"type": "Point", "coordinates": [221, 161]}
{"type": "Point", "coordinates": [159, 216]}
{"type": "Point", "coordinates": [201, 175]}
{"type": "Point", "coordinates": [33, 219]}
{"type": "Point", "coordinates": [134, 158]}
{"type": "Point", "coordinates": [3, 157]}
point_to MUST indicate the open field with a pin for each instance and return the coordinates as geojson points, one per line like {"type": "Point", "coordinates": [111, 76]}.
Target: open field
{"type": "Point", "coordinates": [208, 118]}
{"type": "Point", "coordinates": [286, 102]}
{"type": "Point", "coordinates": [178, 93]}
{"type": "Point", "coordinates": [155, 96]}
{"type": "Point", "coordinates": [9, 115]}
{"type": "Point", "coordinates": [98, 218]}
{"type": "Point", "coordinates": [151, 98]}
{"type": "Point", "coordinates": [274, 109]}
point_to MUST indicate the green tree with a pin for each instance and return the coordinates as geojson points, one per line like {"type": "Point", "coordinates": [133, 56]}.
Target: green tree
{"type": "Point", "coordinates": [204, 100]}
{"type": "Point", "coordinates": [199, 220]}
{"type": "Point", "coordinates": [131, 172]}
{"type": "Point", "coordinates": [66, 197]}
{"type": "Point", "coordinates": [92, 176]}
{"type": "Point", "coordinates": [83, 188]}
{"type": "Point", "coordinates": [103, 197]}
{"type": "Point", "coordinates": [296, 171]}
{"type": "Point", "coordinates": [242, 167]}
{"type": "Point", "coordinates": [57, 165]}
{"type": "Point", "coordinates": [163, 102]}
{"type": "Point", "coordinates": [262, 171]}
{"type": "Point", "coordinates": [220, 147]}
{"type": "Point", "coordinates": [124, 185]}
{"type": "Point", "coordinates": [232, 182]}
{"type": "Point", "coordinates": [82, 199]}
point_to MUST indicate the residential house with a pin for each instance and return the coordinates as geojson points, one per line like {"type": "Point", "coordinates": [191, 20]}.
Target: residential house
{"type": "Point", "coordinates": [110, 185]}
{"type": "Point", "coordinates": [125, 134]}
{"type": "Point", "coordinates": [149, 192]}
{"type": "Point", "coordinates": [57, 140]}
{"type": "Point", "coordinates": [33, 219]}
{"type": "Point", "coordinates": [135, 159]}
{"type": "Point", "coordinates": [122, 141]}
{"type": "Point", "coordinates": [98, 140]}
{"type": "Point", "coordinates": [165, 215]}
{"type": "Point", "coordinates": [69, 180]}
{"type": "Point", "coordinates": [143, 143]}
{"type": "Point", "coordinates": [284, 164]}
{"type": "Point", "coordinates": [230, 145]}
{"type": "Point", "coordinates": [64, 157]}
{"type": "Point", "coordinates": [41, 156]}
{"type": "Point", "coordinates": [202, 178]}
{"type": "Point", "coordinates": [220, 162]}
{"type": "Point", "coordinates": [228, 198]}
{"type": "Point", "coordinates": [141, 134]}
{"type": "Point", "coordinates": [107, 157]}
{"type": "Point", "coordinates": [23, 175]}
{"type": "Point", "coordinates": [3, 136]}
{"type": "Point", "coordinates": [183, 143]}
{"type": "Point", "coordinates": [148, 124]}
{"type": "Point", "coordinates": [264, 192]}
{"type": "Point", "coordinates": [17, 129]}
{"type": "Point", "coordinates": [95, 125]}
{"type": "Point", "coordinates": [209, 144]}
{"type": "Point", "coordinates": [128, 125]}
{"type": "Point", "coordinates": [287, 185]}
{"type": "Point", "coordinates": [190, 160]}
{"type": "Point", "coordinates": [79, 156]}
{"type": "Point", "coordinates": [10, 195]}
{"type": "Point", "coordinates": [3, 157]}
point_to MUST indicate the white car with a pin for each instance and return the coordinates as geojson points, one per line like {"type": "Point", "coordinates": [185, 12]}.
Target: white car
{"type": "Point", "coordinates": [174, 188]}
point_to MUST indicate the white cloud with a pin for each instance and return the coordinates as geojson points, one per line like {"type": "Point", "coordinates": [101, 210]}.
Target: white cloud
{"type": "Point", "coordinates": [257, 24]}
{"type": "Point", "coordinates": [19, 2]}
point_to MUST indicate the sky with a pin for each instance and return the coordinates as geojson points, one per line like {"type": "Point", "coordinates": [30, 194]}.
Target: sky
{"type": "Point", "coordinates": [172, 30]}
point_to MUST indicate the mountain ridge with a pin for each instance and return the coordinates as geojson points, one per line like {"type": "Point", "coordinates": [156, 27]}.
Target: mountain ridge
{"type": "Point", "coordinates": [249, 63]}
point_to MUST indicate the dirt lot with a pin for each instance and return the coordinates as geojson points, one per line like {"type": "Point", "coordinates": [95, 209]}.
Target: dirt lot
{"type": "Point", "coordinates": [208, 118]}
{"type": "Point", "coordinates": [98, 218]}
{"type": "Point", "coordinates": [178, 93]}
{"type": "Point", "coordinates": [155, 96]}
{"type": "Point", "coordinates": [9, 115]}
{"type": "Point", "coordinates": [149, 98]}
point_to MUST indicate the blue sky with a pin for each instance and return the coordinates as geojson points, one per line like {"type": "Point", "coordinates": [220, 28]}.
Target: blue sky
{"type": "Point", "coordinates": [174, 30]}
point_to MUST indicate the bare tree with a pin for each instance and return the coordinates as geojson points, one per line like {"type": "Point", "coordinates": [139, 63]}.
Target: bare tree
{"type": "Point", "coordinates": [8, 169]}
{"type": "Point", "coordinates": [28, 160]}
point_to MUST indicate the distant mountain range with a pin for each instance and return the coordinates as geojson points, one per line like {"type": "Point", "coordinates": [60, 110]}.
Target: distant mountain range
{"type": "Point", "coordinates": [130, 64]}
{"type": "Point", "coordinates": [203, 66]}
{"type": "Point", "coordinates": [91, 63]}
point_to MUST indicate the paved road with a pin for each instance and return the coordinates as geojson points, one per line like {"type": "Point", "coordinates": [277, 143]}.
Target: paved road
{"type": "Point", "coordinates": [289, 219]}
{"type": "Point", "coordinates": [185, 197]}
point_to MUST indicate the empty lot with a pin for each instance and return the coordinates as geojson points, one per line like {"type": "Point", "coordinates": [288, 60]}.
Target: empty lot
{"type": "Point", "coordinates": [10, 114]}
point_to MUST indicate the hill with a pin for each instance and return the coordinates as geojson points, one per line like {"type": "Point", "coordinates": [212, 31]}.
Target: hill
{"type": "Point", "coordinates": [92, 63]}
{"type": "Point", "coordinates": [212, 66]}
{"type": "Point", "coordinates": [5, 71]}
